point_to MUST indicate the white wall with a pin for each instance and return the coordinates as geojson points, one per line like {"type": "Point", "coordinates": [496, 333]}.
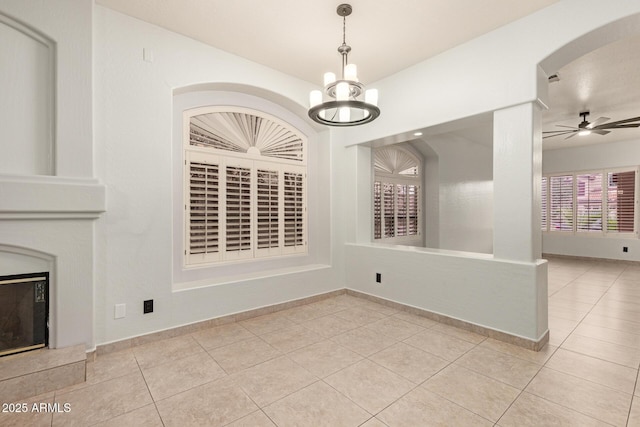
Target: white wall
{"type": "Point", "coordinates": [465, 218]}
{"type": "Point", "coordinates": [600, 156]}
{"type": "Point", "coordinates": [136, 147]}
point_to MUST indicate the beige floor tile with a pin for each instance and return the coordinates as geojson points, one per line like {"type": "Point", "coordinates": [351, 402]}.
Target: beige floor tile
{"type": "Point", "coordinates": [634, 415]}
{"type": "Point", "coordinates": [324, 358]}
{"type": "Point", "coordinates": [539, 357]}
{"type": "Point", "coordinates": [628, 315]}
{"type": "Point", "coordinates": [395, 328]}
{"type": "Point", "coordinates": [615, 353]}
{"type": "Point", "coordinates": [267, 323]}
{"type": "Point", "coordinates": [482, 395]}
{"type": "Point", "coordinates": [103, 401]}
{"type": "Point", "coordinates": [415, 319]}
{"type": "Point", "coordinates": [380, 308]}
{"type": "Point", "coordinates": [584, 396]}
{"type": "Point", "coordinates": [327, 306]}
{"type": "Point", "coordinates": [364, 341]}
{"type": "Point", "coordinates": [374, 422]}
{"type": "Point", "coordinates": [175, 377]}
{"type": "Point", "coordinates": [500, 366]}
{"type": "Point", "coordinates": [305, 313]}
{"type": "Point", "coordinates": [290, 339]}
{"type": "Point", "coordinates": [273, 380]}
{"type": "Point", "coordinates": [316, 405]}
{"type": "Point", "coordinates": [609, 335]}
{"type": "Point", "coordinates": [24, 414]}
{"type": "Point", "coordinates": [420, 407]}
{"type": "Point", "coordinates": [459, 333]}
{"type": "Point", "coordinates": [244, 354]}
{"type": "Point", "coordinates": [160, 352]}
{"type": "Point", "coordinates": [359, 316]}
{"type": "Point", "coordinates": [600, 371]}
{"type": "Point", "coordinates": [147, 416]}
{"type": "Point", "coordinates": [255, 419]}
{"type": "Point", "coordinates": [444, 346]}
{"type": "Point", "coordinates": [613, 323]}
{"type": "Point", "coordinates": [410, 362]}
{"type": "Point", "coordinates": [213, 404]}
{"type": "Point", "coordinates": [532, 411]}
{"type": "Point", "coordinates": [370, 385]}
{"type": "Point", "coordinates": [329, 326]}
{"type": "Point", "coordinates": [112, 365]}
{"type": "Point", "coordinates": [566, 313]}
{"type": "Point", "coordinates": [222, 335]}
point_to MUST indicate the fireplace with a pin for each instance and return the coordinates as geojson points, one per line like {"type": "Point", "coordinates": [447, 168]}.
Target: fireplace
{"type": "Point", "coordinates": [24, 312]}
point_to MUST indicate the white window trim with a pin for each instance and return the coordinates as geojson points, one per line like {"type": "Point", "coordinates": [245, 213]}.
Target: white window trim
{"type": "Point", "coordinates": [604, 233]}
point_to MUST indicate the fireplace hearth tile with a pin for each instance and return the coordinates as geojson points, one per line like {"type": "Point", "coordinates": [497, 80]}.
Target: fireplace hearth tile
{"type": "Point", "coordinates": [32, 373]}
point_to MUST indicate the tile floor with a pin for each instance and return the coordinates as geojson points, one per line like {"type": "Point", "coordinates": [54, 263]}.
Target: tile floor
{"type": "Point", "coordinates": [346, 361]}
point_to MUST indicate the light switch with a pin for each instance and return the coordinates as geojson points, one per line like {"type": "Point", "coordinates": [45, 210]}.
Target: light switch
{"type": "Point", "coordinates": [120, 311]}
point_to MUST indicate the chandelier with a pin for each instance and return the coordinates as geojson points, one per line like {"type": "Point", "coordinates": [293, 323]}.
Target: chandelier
{"type": "Point", "coordinates": [344, 105]}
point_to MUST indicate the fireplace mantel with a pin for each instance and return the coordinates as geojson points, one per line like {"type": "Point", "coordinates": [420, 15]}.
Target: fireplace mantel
{"type": "Point", "coordinates": [29, 197]}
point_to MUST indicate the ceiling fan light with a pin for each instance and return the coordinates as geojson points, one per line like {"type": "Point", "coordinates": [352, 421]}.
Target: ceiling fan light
{"type": "Point", "coordinates": [584, 132]}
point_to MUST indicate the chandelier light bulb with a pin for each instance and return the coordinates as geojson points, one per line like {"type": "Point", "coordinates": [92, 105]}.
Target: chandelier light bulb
{"type": "Point", "coordinates": [315, 98]}
{"type": "Point", "coordinates": [329, 78]}
{"type": "Point", "coordinates": [351, 72]}
{"type": "Point", "coordinates": [371, 96]}
{"type": "Point", "coordinates": [342, 91]}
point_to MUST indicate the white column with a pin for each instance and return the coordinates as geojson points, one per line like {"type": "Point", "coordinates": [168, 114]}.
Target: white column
{"type": "Point", "coordinates": [517, 170]}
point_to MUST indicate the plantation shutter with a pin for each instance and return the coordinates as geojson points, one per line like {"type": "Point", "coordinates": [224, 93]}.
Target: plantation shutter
{"type": "Point", "coordinates": [267, 212]}
{"type": "Point", "coordinates": [244, 186]}
{"type": "Point", "coordinates": [238, 212]}
{"type": "Point", "coordinates": [401, 209]}
{"type": "Point", "coordinates": [561, 203]}
{"type": "Point", "coordinates": [294, 212]}
{"type": "Point", "coordinates": [388, 210]}
{"type": "Point", "coordinates": [413, 209]}
{"type": "Point", "coordinates": [621, 201]}
{"type": "Point", "coordinates": [589, 202]}
{"type": "Point", "coordinates": [543, 204]}
{"type": "Point", "coordinates": [377, 210]}
{"type": "Point", "coordinates": [203, 222]}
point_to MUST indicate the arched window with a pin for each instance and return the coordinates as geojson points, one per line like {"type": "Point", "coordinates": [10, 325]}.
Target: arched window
{"type": "Point", "coordinates": [245, 186]}
{"type": "Point", "coordinates": [396, 195]}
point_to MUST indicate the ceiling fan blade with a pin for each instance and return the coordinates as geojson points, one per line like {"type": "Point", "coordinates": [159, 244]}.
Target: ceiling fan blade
{"type": "Point", "coordinates": [572, 135]}
{"type": "Point", "coordinates": [570, 127]}
{"type": "Point", "coordinates": [619, 122]}
{"type": "Point", "coordinates": [598, 121]}
{"type": "Point", "coordinates": [600, 131]}
{"type": "Point", "coordinates": [551, 133]}
{"type": "Point", "coordinates": [633, 125]}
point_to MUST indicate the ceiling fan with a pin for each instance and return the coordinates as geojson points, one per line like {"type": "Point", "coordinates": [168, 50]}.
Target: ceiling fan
{"type": "Point", "coordinates": [598, 126]}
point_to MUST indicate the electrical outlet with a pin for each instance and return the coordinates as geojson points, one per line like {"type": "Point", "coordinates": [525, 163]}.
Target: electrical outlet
{"type": "Point", "coordinates": [378, 278]}
{"type": "Point", "coordinates": [148, 306]}
{"type": "Point", "coordinates": [625, 249]}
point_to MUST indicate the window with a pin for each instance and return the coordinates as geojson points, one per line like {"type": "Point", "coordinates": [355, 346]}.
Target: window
{"type": "Point", "coordinates": [245, 186]}
{"type": "Point", "coordinates": [598, 202]}
{"type": "Point", "coordinates": [396, 195]}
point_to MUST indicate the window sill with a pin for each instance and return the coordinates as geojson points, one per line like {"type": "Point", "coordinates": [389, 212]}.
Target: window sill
{"type": "Point", "coordinates": [237, 278]}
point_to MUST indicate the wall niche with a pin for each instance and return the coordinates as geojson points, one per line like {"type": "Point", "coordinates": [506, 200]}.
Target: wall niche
{"type": "Point", "coordinates": [27, 82]}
